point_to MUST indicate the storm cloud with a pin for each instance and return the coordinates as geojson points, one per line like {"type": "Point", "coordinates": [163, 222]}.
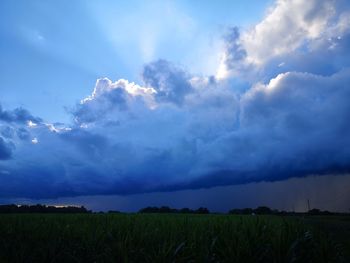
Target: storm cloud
{"type": "Point", "coordinates": [176, 130]}
{"type": "Point", "coordinates": [5, 150]}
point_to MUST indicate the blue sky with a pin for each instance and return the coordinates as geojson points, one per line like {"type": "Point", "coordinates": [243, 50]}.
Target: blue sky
{"type": "Point", "coordinates": [60, 48]}
{"type": "Point", "coordinates": [116, 99]}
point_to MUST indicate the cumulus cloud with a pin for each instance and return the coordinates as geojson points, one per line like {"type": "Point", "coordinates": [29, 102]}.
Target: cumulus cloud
{"type": "Point", "coordinates": [170, 83]}
{"type": "Point", "coordinates": [13, 128]}
{"type": "Point", "coordinates": [111, 98]}
{"type": "Point", "coordinates": [295, 35]}
{"type": "Point", "coordinates": [178, 131]}
{"type": "Point", "coordinates": [288, 26]}
{"type": "Point", "coordinates": [18, 115]}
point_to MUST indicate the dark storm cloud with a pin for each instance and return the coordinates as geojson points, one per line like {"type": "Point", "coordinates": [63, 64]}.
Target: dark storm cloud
{"type": "Point", "coordinates": [294, 126]}
{"type": "Point", "coordinates": [289, 118]}
{"type": "Point", "coordinates": [323, 192]}
{"type": "Point", "coordinates": [91, 145]}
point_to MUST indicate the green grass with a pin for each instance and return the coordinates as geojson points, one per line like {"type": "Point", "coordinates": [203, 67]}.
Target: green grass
{"type": "Point", "coordinates": [163, 238]}
{"type": "Point", "coordinates": [337, 228]}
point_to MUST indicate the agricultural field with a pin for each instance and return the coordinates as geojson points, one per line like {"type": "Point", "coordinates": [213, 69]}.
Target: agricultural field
{"type": "Point", "coordinates": [172, 238]}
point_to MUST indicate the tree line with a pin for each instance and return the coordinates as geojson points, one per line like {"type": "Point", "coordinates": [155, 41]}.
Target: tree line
{"type": "Point", "coordinates": [261, 210]}
{"type": "Point", "coordinates": [42, 209]}
{"type": "Point", "coordinates": [264, 210]}
{"type": "Point", "coordinates": [168, 210]}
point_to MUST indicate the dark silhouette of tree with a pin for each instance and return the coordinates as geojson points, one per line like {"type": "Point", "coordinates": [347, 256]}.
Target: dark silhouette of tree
{"type": "Point", "coordinates": [244, 211]}
{"type": "Point", "coordinates": [168, 210]}
{"type": "Point", "coordinates": [185, 211]}
{"type": "Point", "coordinates": [113, 212]}
{"type": "Point", "coordinates": [149, 209]}
{"type": "Point", "coordinates": [262, 210]}
{"type": "Point", "coordinates": [316, 211]}
{"type": "Point", "coordinates": [202, 210]}
{"type": "Point", "coordinates": [41, 209]}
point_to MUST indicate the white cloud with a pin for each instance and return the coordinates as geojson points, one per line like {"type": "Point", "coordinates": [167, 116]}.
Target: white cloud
{"type": "Point", "coordinates": [289, 25]}
{"type": "Point", "coordinates": [108, 98]}
{"type": "Point", "coordinates": [292, 34]}
{"type": "Point", "coordinates": [31, 124]}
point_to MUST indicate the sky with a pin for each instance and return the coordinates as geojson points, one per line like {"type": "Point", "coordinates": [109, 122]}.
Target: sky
{"type": "Point", "coordinates": [117, 105]}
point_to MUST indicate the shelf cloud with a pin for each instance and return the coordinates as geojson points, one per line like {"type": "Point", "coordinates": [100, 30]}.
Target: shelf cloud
{"type": "Point", "coordinates": [277, 108]}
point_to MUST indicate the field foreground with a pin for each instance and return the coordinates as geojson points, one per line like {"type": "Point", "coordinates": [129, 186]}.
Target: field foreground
{"type": "Point", "coordinates": [171, 238]}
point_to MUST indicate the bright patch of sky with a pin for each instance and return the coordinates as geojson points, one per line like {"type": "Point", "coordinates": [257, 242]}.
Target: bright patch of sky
{"type": "Point", "coordinates": [52, 52]}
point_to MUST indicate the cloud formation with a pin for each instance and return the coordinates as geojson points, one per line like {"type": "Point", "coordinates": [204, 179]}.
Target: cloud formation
{"type": "Point", "coordinates": [18, 115]}
{"type": "Point", "coordinates": [294, 36]}
{"type": "Point", "coordinates": [5, 150]}
{"type": "Point", "coordinates": [179, 131]}
{"type": "Point", "coordinates": [170, 83]}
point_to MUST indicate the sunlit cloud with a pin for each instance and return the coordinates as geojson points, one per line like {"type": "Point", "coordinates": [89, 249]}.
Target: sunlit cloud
{"type": "Point", "coordinates": [31, 124]}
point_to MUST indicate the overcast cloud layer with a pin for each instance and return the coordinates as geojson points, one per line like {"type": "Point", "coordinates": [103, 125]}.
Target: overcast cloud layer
{"type": "Point", "coordinates": [278, 107]}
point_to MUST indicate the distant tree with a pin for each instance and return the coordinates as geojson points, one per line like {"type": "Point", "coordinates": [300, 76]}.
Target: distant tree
{"type": "Point", "coordinates": [235, 211]}
{"type": "Point", "coordinates": [166, 209]}
{"type": "Point", "coordinates": [41, 209]}
{"type": "Point", "coordinates": [314, 211]}
{"type": "Point", "coordinates": [247, 211]}
{"type": "Point", "coordinates": [262, 210]}
{"type": "Point", "coordinates": [186, 211]}
{"type": "Point", "coordinates": [149, 209]}
{"type": "Point", "coordinates": [244, 211]}
{"type": "Point", "coordinates": [113, 212]}
{"type": "Point", "coordinates": [202, 210]}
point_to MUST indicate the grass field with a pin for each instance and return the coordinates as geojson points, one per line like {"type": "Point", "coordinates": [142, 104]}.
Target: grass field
{"type": "Point", "coordinates": [169, 238]}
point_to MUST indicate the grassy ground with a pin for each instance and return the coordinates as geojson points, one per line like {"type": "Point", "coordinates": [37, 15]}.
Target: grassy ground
{"type": "Point", "coordinates": [166, 238]}
{"type": "Point", "coordinates": [337, 228]}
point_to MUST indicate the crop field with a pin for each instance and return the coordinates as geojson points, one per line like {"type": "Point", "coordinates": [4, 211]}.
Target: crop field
{"type": "Point", "coordinates": [169, 238]}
